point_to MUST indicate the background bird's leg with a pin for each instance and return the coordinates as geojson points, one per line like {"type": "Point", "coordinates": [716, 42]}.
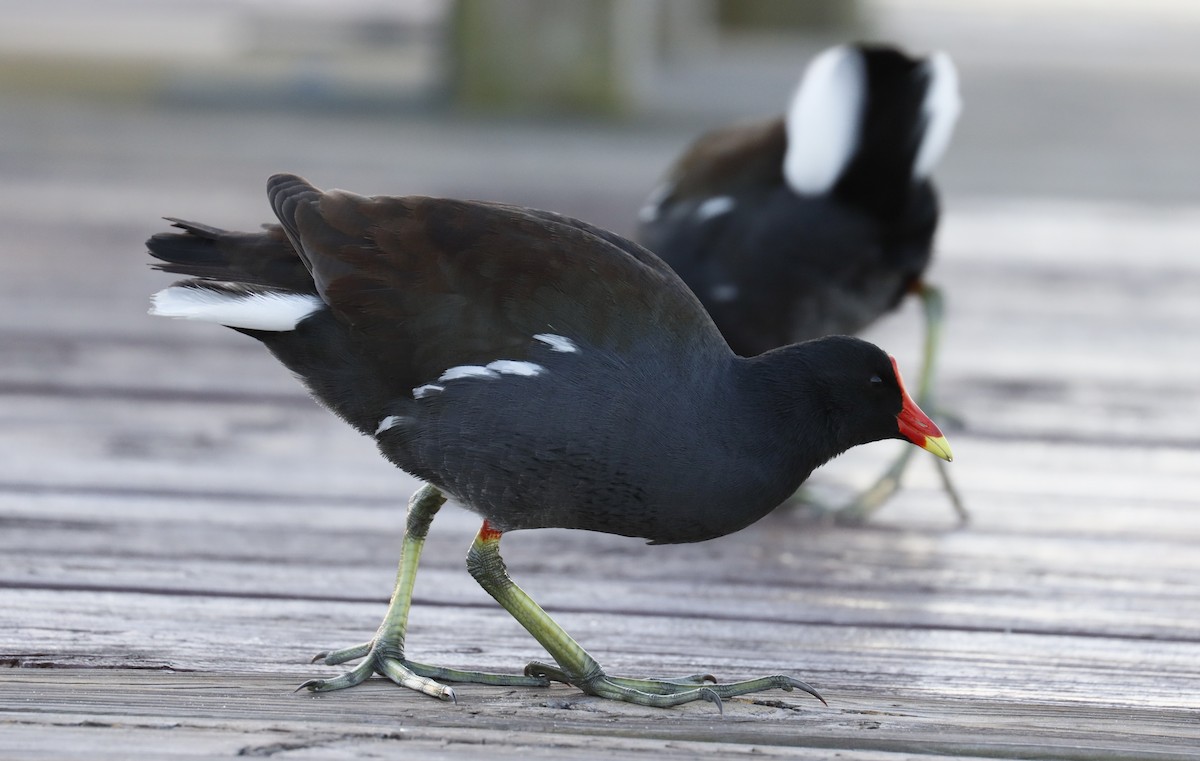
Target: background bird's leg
{"type": "Point", "coordinates": [575, 665]}
{"type": "Point", "coordinates": [385, 652]}
{"type": "Point", "coordinates": [931, 300]}
{"type": "Point", "coordinates": [873, 498]}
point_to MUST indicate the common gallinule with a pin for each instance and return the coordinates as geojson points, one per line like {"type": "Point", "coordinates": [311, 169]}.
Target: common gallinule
{"type": "Point", "coordinates": [820, 221]}
{"type": "Point", "coordinates": [541, 372]}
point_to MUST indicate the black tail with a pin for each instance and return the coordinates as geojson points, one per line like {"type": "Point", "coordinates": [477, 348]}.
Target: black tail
{"type": "Point", "coordinates": [319, 349]}
{"type": "Point", "coordinates": [908, 113]}
{"type": "Point", "coordinates": [264, 258]}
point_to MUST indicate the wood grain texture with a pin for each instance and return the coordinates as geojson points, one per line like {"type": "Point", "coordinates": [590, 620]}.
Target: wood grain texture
{"type": "Point", "coordinates": [191, 714]}
{"type": "Point", "coordinates": [181, 528]}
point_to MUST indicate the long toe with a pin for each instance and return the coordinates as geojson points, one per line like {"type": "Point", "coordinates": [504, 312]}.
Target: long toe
{"type": "Point", "coordinates": [657, 695]}
{"type": "Point", "coordinates": [355, 676]}
{"type": "Point", "coordinates": [478, 677]}
{"type": "Point", "coordinates": [402, 675]}
{"type": "Point", "coordinates": [777, 682]}
{"type": "Point", "coordinates": [662, 693]}
{"type": "Point", "coordinates": [335, 657]}
{"type": "Point", "coordinates": [667, 685]}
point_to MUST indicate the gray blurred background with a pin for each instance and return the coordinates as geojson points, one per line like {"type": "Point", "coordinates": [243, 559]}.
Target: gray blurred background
{"type": "Point", "coordinates": [1071, 181]}
{"type": "Point", "coordinates": [570, 104]}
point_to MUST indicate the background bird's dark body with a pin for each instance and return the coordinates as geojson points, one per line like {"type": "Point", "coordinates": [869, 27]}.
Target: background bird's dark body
{"type": "Point", "coordinates": [776, 259]}
{"type": "Point", "coordinates": [780, 268]}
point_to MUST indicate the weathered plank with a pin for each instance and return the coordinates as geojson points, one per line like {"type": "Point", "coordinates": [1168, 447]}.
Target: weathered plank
{"type": "Point", "coordinates": [169, 710]}
{"type": "Point", "coordinates": [180, 528]}
{"type": "Point", "coordinates": [881, 576]}
{"type": "Point", "coordinates": [215, 634]}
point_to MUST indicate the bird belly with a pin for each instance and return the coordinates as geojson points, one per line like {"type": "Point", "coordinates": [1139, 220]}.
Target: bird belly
{"type": "Point", "coordinates": [529, 457]}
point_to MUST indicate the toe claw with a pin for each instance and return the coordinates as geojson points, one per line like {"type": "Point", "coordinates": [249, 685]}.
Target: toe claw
{"type": "Point", "coordinates": [804, 687]}
{"type": "Point", "coordinates": [712, 697]}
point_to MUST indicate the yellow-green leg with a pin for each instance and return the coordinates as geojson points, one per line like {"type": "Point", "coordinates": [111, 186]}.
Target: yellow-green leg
{"type": "Point", "coordinates": [384, 654]}
{"type": "Point", "coordinates": [576, 667]}
{"type": "Point", "coordinates": [865, 505]}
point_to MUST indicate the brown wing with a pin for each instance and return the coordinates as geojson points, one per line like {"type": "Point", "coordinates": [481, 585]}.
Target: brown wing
{"type": "Point", "coordinates": [726, 160]}
{"type": "Point", "coordinates": [448, 283]}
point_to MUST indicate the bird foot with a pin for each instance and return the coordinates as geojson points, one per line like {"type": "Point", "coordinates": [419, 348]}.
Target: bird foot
{"type": "Point", "coordinates": [855, 512]}
{"type": "Point", "coordinates": [388, 660]}
{"type": "Point", "coordinates": [858, 510]}
{"type": "Point", "coordinates": [666, 692]}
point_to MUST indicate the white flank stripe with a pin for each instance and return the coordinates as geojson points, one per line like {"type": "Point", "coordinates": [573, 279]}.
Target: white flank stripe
{"type": "Point", "coordinates": [420, 392]}
{"type": "Point", "coordinates": [942, 106]}
{"type": "Point", "coordinates": [715, 207]}
{"type": "Point", "coordinates": [492, 371]}
{"type": "Point", "coordinates": [390, 422]}
{"type": "Point", "coordinates": [515, 367]}
{"type": "Point", "coordinates": [823, 120]}
{"type": "Point", "coordinates": [558, 343]}
{"type": "Point", "coordinates": [267, 310]}
{"type": "Point", "coordinates": [468, 371]}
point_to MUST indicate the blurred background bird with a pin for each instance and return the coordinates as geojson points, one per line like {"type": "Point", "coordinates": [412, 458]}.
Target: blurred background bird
{"type": "Point", "coordinates": [822, 220]}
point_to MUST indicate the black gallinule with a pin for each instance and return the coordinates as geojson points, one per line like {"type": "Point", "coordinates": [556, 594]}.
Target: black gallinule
{"type": "Point", "coordinates": [541, 372]}
{"type": "Point", "coordinates": [820, 221]}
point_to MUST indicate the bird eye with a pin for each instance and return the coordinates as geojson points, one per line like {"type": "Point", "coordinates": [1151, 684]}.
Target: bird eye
{"type": "Point", "coordinates": [876, 379]}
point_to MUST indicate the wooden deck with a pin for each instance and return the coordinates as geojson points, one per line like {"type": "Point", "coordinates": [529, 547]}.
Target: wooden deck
{"type": "Point", "coordinates": [181, 529]}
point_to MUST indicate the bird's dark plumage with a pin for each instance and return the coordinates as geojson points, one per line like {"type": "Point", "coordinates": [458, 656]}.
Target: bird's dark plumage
{"type": "Point", "coordinates": [818, 222]}
{"type": "Point", "coordinates": [541, 371]}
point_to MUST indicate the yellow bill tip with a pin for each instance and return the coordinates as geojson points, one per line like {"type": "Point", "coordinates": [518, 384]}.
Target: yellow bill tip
{"type": "Point", "coordinates": [939, 446]}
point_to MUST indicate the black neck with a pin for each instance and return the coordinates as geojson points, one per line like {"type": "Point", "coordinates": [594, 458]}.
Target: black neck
{"type": "Point", "coordinates": [774, 390]}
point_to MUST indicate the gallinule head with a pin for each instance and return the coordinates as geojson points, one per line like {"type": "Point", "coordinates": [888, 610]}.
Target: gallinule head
{"type": "Point", "coordinates": [543, 373]}
{"type": "Point", "coordinates": [820, 221]}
